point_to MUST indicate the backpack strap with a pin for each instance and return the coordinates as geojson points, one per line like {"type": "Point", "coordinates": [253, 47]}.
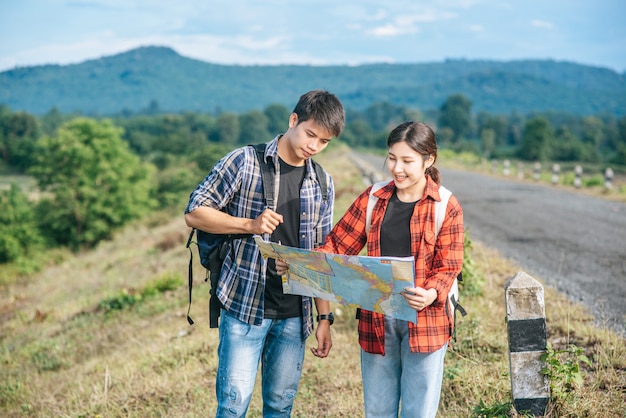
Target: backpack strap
{"type": "Point", "coordinates": [371, 201]}
{"type": "Point", "coordinates": [453, 295]}
{"type": "Point", "coordinates": [267, 174]}
{"type": "Point", "coordinates": [321, 178]}
{"type": "Point", "coordinates": [440, 208]}
{"type": "Point", "coordinates": [190, 273]}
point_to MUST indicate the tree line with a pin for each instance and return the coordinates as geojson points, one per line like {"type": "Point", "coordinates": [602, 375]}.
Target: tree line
{"type": "Point", "coordinates": [94, 175]}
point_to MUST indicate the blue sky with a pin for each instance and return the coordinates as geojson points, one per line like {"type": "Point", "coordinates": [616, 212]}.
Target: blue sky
{"type": "Point", "coordinates": [320, 32]}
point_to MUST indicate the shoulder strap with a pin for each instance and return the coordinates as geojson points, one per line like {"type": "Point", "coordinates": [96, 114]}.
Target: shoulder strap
{"type": "Point", "coordinates": [321, 177]}
{"type": "Point", "coordinates": [268, 176]}
{"type": "Point", "coordinates": [440, 208]}
{"type": "Point", "coordinates": [371, 201]}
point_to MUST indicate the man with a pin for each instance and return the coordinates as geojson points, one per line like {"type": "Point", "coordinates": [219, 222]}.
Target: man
{"type": "Point", "coordinates": [259, 322]}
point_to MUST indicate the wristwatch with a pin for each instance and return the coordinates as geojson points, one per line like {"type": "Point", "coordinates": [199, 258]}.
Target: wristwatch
{"type": "Point", "coordinates": [329, 317]}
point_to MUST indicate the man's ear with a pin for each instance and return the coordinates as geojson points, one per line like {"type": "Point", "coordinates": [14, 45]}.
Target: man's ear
{"type": "Point", "coordinates": [293, 120]}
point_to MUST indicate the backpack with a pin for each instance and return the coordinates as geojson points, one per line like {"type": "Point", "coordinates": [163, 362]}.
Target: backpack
{"type": "Point", "coordinates": [440, 214]}
{"type": "Point", "coordinates": [213, 248]}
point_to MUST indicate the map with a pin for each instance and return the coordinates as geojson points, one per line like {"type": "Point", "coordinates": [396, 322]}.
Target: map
{"type": "Point", "coordinates": [372, 283]}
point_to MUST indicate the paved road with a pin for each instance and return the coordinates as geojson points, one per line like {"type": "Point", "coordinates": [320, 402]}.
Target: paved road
{"type": "Point", "coordinates": [573, 242]}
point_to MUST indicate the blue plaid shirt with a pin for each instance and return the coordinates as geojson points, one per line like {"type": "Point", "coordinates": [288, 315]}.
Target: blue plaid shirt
{"type": "Point", "coordinates": [235, 183]}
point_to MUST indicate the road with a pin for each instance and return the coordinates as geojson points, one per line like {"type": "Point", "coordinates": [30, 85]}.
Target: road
{"type": "Point", "coordinates": [572, 242]}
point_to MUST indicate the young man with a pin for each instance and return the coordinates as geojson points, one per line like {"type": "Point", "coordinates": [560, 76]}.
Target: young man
{"type": "Point", "coordinates": [259, 322]}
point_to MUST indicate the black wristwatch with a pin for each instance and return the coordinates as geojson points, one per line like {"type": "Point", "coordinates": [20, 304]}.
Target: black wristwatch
{"type": "Point", "coordinates": [329, 317]}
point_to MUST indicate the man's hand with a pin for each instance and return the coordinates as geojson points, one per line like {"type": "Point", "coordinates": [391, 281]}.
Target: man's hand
{"type": "Point", "coordinates": [324, 343]}
{"type": "Point", "coordinates": [266, 222]}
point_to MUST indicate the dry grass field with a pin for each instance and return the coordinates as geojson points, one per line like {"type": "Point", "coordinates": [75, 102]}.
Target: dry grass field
{"type": "Point", "coordinates": [104, 334]}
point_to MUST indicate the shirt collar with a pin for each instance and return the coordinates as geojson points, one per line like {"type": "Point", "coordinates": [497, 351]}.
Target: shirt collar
{"type": "Point", "coordinates": [431, 189]}
{"type": "Point", "coordinates": [272, 151]}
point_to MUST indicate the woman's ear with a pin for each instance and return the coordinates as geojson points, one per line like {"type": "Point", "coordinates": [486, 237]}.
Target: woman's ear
{"type": "Point", "coordinates": [429, 161]}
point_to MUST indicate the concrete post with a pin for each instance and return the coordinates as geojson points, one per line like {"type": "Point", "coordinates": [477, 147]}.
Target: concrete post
{"type": "Point", "coordinates": [608, 178]}
{"type": "Point", "coordinates": [506, 170]}
{"type": "Point", "coordinates": [520, 171]}
{"type": "Point", "coordinates": [537, 171]}
{"type": "Point", "coordinates": [556, 169]}
{"type": "Point", "coordinates": [578, 171]}
{"type": "Point", "coordinates": [526, 323]}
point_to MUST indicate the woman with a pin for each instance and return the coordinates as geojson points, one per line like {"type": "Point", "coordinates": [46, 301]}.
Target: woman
{"type": "Point", "coordinates": [402, 362]}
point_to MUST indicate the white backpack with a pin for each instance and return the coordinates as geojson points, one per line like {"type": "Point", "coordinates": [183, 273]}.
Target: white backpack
{"type": "Point", "coordinates": [440, 214]}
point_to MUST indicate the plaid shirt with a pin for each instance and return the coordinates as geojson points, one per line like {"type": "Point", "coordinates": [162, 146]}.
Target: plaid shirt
{"type": "Point", "coordinates": [437, 264]}
{"type": "Point", "coordinates": [235, 184]}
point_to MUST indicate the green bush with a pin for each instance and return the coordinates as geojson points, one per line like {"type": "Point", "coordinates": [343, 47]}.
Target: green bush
{"type": "Point", "coordinates": [126, 299]}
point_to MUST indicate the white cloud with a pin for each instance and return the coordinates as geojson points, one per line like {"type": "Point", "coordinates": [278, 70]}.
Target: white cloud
{"type": "Point", "coordinates": [541, 24]}
{"type": "Point", "coordinates": [409, 24]}
{"type": "Point", "coordinates": [393, 30]}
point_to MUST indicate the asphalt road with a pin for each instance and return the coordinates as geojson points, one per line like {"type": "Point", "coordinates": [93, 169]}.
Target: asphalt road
{"type": "Point", "coordinates": [572, 242]}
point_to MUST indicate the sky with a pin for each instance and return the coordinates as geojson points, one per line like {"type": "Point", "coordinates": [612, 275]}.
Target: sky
{"type": "Point", "coordinates": [321, 32]}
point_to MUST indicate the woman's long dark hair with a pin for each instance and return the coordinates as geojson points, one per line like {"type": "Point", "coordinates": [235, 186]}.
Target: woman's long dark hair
{"type": "Point", "coordinates": [421, 138]}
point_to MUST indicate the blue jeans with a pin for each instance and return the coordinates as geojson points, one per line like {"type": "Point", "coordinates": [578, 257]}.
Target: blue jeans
{"type": "Point", "coordinates": [401, 377]}
{"type": "Point", "coordinates": [278, 344]}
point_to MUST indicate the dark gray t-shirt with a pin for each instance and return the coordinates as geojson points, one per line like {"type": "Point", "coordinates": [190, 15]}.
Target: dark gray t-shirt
{"type": "Point", "coordinates": [277, 304]}
{"type": "Point", "coordinates": [395, 236]}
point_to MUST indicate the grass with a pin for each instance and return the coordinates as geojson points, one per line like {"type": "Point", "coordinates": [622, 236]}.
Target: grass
{"type": "Point", "coordinates": [62, 354]}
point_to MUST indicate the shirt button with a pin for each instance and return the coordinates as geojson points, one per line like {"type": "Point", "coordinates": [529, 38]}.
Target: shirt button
{"type": "Point", "coordinates": [303, 213]}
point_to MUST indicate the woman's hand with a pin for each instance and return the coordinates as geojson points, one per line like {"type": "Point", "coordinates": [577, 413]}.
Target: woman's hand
{"type": "Point", "coordinates": [419, 298]}
{"type": "Point", "coordinates": [281, 267]}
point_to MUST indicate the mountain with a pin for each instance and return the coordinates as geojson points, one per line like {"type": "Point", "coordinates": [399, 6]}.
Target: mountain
{"type": "Point", "coordinates": [132, 80]}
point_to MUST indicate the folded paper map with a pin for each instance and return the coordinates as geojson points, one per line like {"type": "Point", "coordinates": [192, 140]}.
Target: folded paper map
{"type": "Point", "coordinates": [372, 283]}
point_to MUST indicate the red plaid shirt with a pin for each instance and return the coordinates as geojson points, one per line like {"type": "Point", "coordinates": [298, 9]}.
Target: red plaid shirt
{"type": "Point", "coordinates": [437, 264]}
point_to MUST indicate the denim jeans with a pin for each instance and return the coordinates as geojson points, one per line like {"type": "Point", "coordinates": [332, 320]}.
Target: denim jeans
{"type": "Point", "coordinates": [278, 345]}
{"type": "Point", "coordinates": [401, 377]}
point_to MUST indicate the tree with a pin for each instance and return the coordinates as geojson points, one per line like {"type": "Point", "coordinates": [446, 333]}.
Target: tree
{"type": "Point", "coordinates": [456, 115]}
{"type": "Point", "coordinates": [488, 141]}
{"type": "Point", "coordinates": [495, 123]}
{"type": "Point", "coordinates": [567, 147]}
{"type": "Point", "coordinates": [18, 134]}
{"type": "Point", "coordinates": [96, 183]}
{"type": "Point", "coordinates": [358, 133]}
{"type": "Point", "coordinates": [19, 235]}
{"type": "Point", "coordinates": [51, 121]}
{"type": "Point", "coordinates": [537, 138]}
{"type": "Point", "coordinates": [514, 129]}
{"type": "Point", "coordinates": [385, 116]}
{"type": "Point", "coordinates": [228, 128]}
{"type": "Point", "coordinates": [593, 131]}
{"type": "Point", "coordinates": [206, 157]}
{"type": "Point", "coordinates": [444, 137]}
{"type": "Point", "coordinates": [277, 118]}
{"type": "Point", "coordinates": [253, 128]}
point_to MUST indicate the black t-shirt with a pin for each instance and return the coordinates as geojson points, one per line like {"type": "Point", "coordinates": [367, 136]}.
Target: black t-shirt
{"type": "Point", "coordinates": [395, 236]}
{"type": "Point", "coordinates": [277, 304]}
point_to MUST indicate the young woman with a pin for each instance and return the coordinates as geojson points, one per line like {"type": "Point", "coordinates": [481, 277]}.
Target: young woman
{"type": "Point", "coordinates": [402, 362]}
